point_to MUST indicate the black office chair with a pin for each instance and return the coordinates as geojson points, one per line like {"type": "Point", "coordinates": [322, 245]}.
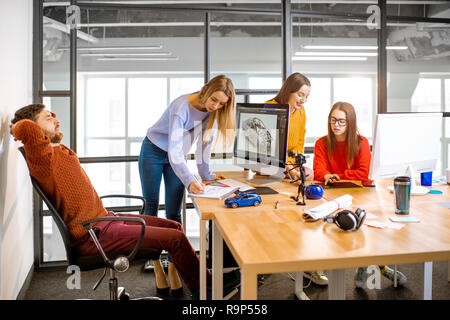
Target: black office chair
{"type": "Point", "coordinates": [118, 261]}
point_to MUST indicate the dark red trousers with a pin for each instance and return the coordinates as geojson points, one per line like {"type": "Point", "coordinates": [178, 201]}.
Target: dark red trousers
{"type": "Point", "coordinates": [159, 234]}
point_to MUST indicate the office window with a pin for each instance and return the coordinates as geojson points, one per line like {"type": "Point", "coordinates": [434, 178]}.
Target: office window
{"type": "Point", "coordinates": [448, 156]}
{"type": "Point", "coordinates": [181, 86]}
{"type": "Point", "coordinates": [273, 83]}
{"type": "Point", "coordinates": [317, 108]}
{"type": "Point", "coordinates": [55, 49]}
{"type": "Point", "coordinates": [447, 95]}
{"type": "Point", "coordinates": [53, 244]}
{"type": "Point", "coordinates": [147, 100]}
{"type": "Point", "coordinates": [359, 92]}
{"type": "Point", "coordinates": [427, 96]}
{"type": "Point", "coordinates": [105, 103]}
{"type": "Point", "coordinates": [107, 178]}
{"type": "Point", "coordinates": [242, 46]}
{"type": "Point", "coordinates": [416, 66]}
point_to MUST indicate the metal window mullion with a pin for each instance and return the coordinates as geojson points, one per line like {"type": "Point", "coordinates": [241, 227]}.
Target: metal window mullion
{"type": "Point", "coordinates": [85, 118]}
{"type": "Point", "coordinates": [38, 49]}
{"type": "Point", "coordinates": [207, 51]}
{"type": "Point", "coordinates": [374, 102]}
{"type": "Point", "coordinates": [38, 14]}
{"type": "Point", "coordinates": [127, 142]}
{"type": "Point", "coordinates": [417, 19]}
{"type": "Point", "coordinates": [248, 11]}
{"type": "Point", "coordinates": [329, 15]}
{"type": "Point", "coordinates": [54, 93]}
{"type": "Point", "coordinates": [444, 143]}
{"type": "Point", "coordinates": [286, 38]}
{"type": "Point", "coordinates": [382, 61]}
{"type": "Point", "coordinates": [73, 86]}
{"type": "Point", "coordinates": [332, 79]}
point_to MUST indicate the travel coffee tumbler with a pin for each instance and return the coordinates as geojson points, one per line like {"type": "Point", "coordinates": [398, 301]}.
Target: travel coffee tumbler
{"type": "Point", "coordinates": [402, 193]}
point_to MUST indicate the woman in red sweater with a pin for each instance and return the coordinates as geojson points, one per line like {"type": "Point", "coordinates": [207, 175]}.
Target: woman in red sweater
{"type": "Point", "coordinates": [343, 153]}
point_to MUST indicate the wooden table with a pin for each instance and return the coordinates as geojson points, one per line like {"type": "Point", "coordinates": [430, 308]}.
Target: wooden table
{"type": "Point", "coordinates": [266, 240]}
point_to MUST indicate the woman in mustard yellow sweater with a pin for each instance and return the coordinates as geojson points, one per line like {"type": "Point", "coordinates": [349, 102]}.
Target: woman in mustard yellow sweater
{"type": "Point", "coordinates": [295, 91]}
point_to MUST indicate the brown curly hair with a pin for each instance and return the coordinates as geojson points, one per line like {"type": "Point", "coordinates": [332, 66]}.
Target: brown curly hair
{"type": "Point", "coordinates": [28, 112]}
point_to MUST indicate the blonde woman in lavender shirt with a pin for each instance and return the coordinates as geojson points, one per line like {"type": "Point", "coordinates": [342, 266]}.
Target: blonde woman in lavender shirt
{"type": "Point", "coordinates": [189, 118]}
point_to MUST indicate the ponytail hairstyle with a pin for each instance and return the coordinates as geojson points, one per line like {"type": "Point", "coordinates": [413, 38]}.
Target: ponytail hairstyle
{"type": "Point", "coordinates": [292, 84]}
{"type": "Point", "coordinates": [225, 116]}
{"type": "Point", "coordinates": [352, 137]}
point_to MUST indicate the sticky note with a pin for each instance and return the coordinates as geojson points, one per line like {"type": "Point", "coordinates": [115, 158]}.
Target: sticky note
{"type": "Point", "coordinates": [376, 224]}
{"type": "Point", "coordinates": [404, 219]}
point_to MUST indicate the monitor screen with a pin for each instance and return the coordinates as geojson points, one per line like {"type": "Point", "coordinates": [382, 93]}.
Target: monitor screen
{"type": "Point", "coordinates": [405, 141]}
{"type": "Point", "coordinates": [261, 138]}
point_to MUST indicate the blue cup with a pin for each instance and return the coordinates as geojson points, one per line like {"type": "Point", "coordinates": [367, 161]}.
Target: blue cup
{"type": "Point", "coordinates": [426, 178]}
{"type": "Point", "coordinates": [313, 191]}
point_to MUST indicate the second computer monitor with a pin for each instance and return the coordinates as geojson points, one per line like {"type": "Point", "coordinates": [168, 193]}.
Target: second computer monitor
{"type": "Point", "coordinates": [261, 138]}
{"type": "Point", "coordinates": [405, 144]}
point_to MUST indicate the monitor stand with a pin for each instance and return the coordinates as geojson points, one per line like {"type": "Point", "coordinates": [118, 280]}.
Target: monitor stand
{"type": "Point", "coordinates": [261, 180]}
{"type": "Point", "coordinates": [416, 190]}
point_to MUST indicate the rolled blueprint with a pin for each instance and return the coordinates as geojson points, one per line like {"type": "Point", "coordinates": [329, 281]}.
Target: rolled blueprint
{"type": "Point", "coordinates": [327, 208]}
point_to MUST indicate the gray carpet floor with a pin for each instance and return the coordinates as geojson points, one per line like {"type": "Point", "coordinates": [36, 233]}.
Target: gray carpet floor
{"type": "Point", "coordinates": [51, 285]}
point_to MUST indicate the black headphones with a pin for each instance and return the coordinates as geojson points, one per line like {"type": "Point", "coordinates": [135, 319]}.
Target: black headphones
{"type": "Point", "coordinates": [348, 220]}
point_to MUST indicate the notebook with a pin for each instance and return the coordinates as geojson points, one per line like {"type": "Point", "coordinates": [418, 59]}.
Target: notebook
{"type": "Point", "coordinates": [234, 183]}
{"type": "Point", "coordinates": [264, 190]}
{"type": "Point", "coordinates": [215, 192]}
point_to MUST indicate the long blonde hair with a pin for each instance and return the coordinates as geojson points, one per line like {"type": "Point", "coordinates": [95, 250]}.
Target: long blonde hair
{"type": "Point", "coordinates": [225, 116]}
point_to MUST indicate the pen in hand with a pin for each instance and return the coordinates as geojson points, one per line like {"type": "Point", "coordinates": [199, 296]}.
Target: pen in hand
{"type": "Point", "coordinates": [196, 186]}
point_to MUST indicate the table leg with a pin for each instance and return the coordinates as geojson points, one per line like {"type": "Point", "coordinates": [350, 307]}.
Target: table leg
{"type": "Point", "coordinates": [249, 284]}
{"type": "Point", "coordinates": [202, 259]}
{"type": "Point", "coordinates": [427, 280]}
{"type": "Point", "coordinates": [395, 276]}
{"type": "Point", "coordinates": [301, 295]}
{"type": "Point", "coordinates": [448, 271]}
{"type": "Point", "coordinates": [217, 264]}
{"type": "Point", "coordinates": [336, 285]}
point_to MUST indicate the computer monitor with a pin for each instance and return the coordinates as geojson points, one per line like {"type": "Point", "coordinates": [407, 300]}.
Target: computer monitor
{"type": "Point", "coordinates": [405, 144]}
{"type": "Point", "coordinates": [261, 139]}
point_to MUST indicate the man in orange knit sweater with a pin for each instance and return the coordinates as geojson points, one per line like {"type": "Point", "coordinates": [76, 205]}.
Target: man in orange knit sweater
{"type": "Point", "coordinates": [59, 173]}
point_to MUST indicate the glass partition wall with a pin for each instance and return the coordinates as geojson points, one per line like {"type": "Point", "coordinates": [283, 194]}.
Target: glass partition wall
{"type": "Point", "coordinates": [110, 69]}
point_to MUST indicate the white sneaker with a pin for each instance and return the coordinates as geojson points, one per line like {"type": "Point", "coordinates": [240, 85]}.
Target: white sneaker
{"type": "Point", "coordinates": [390, 274]}
{"type": "Point", "coordinates": [318, 277]}
{"type": "Point", "coordinates": [360, 277]}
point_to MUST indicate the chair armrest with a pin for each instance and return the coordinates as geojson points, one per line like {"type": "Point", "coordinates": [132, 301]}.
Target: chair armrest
{"type": "Point", "coordinates": [127, 197]}
{"type": "Point", "coordinates": [88, 225]}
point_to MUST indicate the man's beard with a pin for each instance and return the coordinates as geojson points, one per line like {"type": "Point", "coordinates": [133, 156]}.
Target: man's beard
{"type": "Point", "coordinates": [55, 137]}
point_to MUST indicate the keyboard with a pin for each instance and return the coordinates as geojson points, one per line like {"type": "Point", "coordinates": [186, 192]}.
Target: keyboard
{"type": "Point", "coordinates": [341, 184]}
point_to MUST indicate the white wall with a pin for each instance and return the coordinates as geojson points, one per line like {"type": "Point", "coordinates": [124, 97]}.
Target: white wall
{"type": "Point", "coordinates": [16, 211]}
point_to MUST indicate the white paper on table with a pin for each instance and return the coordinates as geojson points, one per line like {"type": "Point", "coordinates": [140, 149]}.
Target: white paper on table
{"type": "Point", "coordinates": [376, 224]}
{"type": "Point", "coordinates": [395, 225]}
{"type": "Point", "coordinates": [382, 225]}
{"type": "Point", "coordinates": [234, 183]}
{"type": "Point", "coordinates": [327, 208]}
{"type": "Point", "coordinates": [371, 216]}
{"type": "Point", "coordinates": [214, 192]}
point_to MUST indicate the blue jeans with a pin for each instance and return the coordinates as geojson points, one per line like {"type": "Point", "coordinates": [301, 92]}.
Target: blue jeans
{"type": "Point", "coordinates": [153, 165]}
